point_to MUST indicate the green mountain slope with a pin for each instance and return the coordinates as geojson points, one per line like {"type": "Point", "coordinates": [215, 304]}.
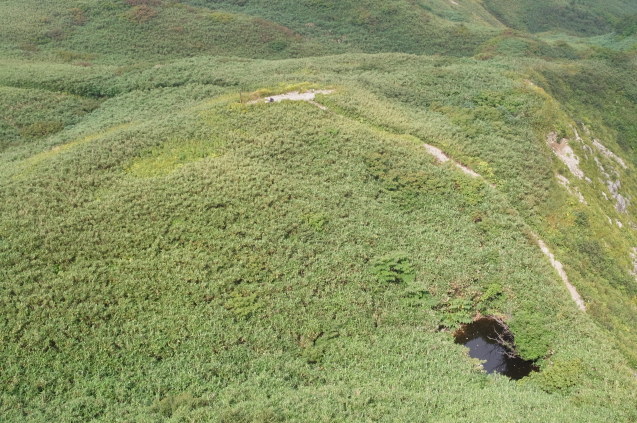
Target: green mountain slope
{"type": "Point", "coordinates": [122, 32]}
{"type": "Point", "coordinates": [584, 17]}
{"type": "Point", "coordinates": [373, 25]}
{"type": "Point", "coordinates": [175, 248]}
{"type": "Point", "coordinates": [127, 32]}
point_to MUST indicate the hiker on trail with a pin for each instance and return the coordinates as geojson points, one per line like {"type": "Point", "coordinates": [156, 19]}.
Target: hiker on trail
{"type": "Point", "coordinates": [270, 100]}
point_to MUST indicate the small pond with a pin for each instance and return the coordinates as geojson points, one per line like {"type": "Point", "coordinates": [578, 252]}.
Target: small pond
{"type": "Point", "coordinates": [489, 340]}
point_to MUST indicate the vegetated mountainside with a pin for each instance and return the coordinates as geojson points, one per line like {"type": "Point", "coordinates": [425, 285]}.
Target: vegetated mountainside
{"type": "Point", "coordinates": [173, 248]}
{"type": "Point", "coordinates": [583, 17]}
{"type": "Point", "coordinates": [129, 32]}
{"type": "Point", "coordinates": [124, 32]}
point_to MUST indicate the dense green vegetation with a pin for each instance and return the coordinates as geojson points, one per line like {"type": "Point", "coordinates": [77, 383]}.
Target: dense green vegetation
{"type": "Point", "coordinates": [171, 250]}
{"type": "Point", "coordinates": [584, 17]}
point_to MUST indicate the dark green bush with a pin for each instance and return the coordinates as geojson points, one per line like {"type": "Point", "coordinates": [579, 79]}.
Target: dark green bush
{"type": "Point", "coordinates": [394, 267]}
{"type": "Point", "coordinates": [41, 129]}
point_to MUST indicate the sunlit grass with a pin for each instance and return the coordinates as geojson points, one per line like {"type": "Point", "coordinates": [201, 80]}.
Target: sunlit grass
{"type": "Point", "coordinates": [172, 155]}
{"type": "Point", "coordinates": [29, 165]}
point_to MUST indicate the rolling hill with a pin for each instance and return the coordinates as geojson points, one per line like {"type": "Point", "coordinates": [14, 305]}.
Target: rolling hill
{"type": "Point", "coordinates": [174, 247]}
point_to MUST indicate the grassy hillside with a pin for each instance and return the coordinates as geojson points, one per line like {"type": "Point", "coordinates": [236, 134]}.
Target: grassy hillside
{"type": "Point", "coordinates": [128, 32]}
{"type": "Point", "coordinates": [374, 25]}
{"type": "Point", "coordinates": [583, 17]}
{"type": "Point", "coordinates": [173, 248]}
{"type": "Point", "coordinates": [150, 30]}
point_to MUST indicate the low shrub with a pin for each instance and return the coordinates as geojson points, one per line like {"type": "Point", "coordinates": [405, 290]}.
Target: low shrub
{"type": "Point", "coordinates": [394, 268]}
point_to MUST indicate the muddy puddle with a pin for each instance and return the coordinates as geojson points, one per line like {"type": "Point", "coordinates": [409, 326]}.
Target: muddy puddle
{"type": "Point", "coordinates": [490, 341]}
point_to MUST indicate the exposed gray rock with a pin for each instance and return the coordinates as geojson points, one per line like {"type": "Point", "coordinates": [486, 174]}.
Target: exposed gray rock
{"type": "Point", "coordinates": [622, 202]}
{"type": "Point", "coordinates": [565, 153]}
{"type": "Point", "coordinates": [606, 152]}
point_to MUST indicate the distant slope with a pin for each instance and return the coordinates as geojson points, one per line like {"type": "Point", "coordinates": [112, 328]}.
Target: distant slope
{"type": "Point", "coordinates": [438, 26]}
{"type": "Point", "coordinates": [584, 17]}
{"type": "Point", "coordinates": [124, 32]}
{"type": "Point", "coordinates": [135, 31]}
{"type": "Point", "coordinates": [152, 30]}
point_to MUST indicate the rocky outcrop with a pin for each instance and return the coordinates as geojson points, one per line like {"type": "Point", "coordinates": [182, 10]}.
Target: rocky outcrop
{"type": "Point", "coordinates": [565, 153]}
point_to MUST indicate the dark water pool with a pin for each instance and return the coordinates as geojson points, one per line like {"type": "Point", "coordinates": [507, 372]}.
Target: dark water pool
{"type": "Point", "coordinates": [490, 340]}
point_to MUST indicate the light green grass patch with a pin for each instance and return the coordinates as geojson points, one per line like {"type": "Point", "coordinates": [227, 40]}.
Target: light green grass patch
{"type": "Point", "coordinates": [172, 155]}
